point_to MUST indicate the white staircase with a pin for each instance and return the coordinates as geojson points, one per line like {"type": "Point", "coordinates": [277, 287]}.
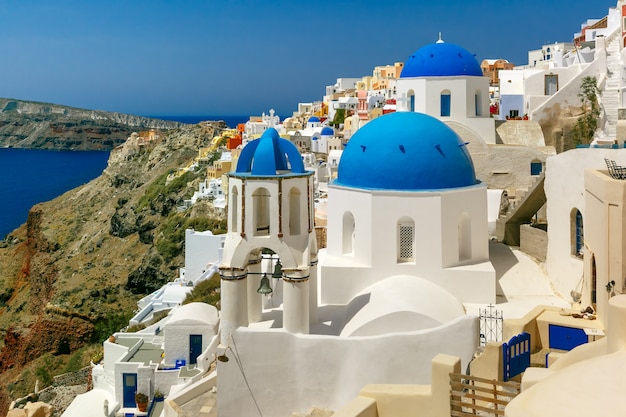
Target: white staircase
{"type": "Point", "coordinates": [610, 92]}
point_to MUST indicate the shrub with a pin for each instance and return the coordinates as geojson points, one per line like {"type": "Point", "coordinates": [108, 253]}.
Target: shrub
{"type": "Point", "coordinates": [587, 123]}
{"type": "Point", "coordinates": [205, 291]}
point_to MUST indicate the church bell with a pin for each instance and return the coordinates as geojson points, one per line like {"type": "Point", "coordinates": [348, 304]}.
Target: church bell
{"type": "Point", "coordinates": [265, 288]}
{"type": "Point", "coordinates": [278, 270]}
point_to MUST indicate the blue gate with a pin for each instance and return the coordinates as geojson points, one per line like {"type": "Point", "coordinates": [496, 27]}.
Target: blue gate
{"type": "Point", "coordinates": [516, 355]}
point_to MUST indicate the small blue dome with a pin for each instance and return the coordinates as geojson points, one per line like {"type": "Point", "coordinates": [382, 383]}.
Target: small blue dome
{"type": "Point", "coordinates": [314, 119]}
{"type": "Point", "coordinates": [269, 155]}
{"type": "Point", "coordinates": [405, 151]}
{"type": "Point", "coordinates": [327, 131]}
{"type": "Point", "coordinates": [441, 59]}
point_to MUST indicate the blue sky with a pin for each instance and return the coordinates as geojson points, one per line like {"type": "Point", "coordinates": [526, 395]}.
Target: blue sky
{"type": "Point", "coordinates": [191, 57]}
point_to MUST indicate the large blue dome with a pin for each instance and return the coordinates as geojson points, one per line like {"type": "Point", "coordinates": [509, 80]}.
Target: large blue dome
{"type": "Point", "coordinates": [441, 59]}
{"type": "Point", "coordinates": [405, 151]}
{"type": "Point", "coordinates": [270, 155]}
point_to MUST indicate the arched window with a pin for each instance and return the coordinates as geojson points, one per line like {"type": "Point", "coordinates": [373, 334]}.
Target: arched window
{"type": "Point", "coordinates": [536, 167]}
{"type": "Point", "coordinates": [294, 211]}
{"type": "Point", "coordinates": [478, 103]}
{"type": "Point", "coordinates": [347, 246]}
{"type": "Point", "coordinates": [577, 233]}
{"type": "Point", "coordinates": [406, 240]}
{"type": "Point", "coordinates": [411, 103]}
{"type": "Point", "coordinates": [465, 237]}
{"type": "Point", "coordinates": [261, 212]}
{"type": "Point", "coordinates": [234, 209]}
{"type": "Point", "coordinates": [445, 103]}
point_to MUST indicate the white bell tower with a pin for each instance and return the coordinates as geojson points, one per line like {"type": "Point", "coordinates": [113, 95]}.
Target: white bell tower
{"type": "Point", "coordinates": [270, 206]}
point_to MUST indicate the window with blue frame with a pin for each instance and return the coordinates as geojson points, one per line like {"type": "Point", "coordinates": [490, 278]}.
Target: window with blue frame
{"type": "Point", "coordinates": [477, 100]}
{"type": "Point", "coordinates": [578, 236]}
{"type": "Point", "coordinates": [445, 104]}
{"type": "Point", "coordinates": [536, 167]}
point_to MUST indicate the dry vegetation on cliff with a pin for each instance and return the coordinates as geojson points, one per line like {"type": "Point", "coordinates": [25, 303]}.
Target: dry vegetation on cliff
{"type": "Point", "coordinates": [73, 274]}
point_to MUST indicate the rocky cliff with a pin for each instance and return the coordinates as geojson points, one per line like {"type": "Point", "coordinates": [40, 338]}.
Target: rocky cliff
{"type": "Point", "coordinates": [26, 124]}
{"type": "Point", "coordinates": [73, 273]}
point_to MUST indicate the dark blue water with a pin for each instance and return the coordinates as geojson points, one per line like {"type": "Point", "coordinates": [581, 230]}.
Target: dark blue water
{"type": "Point", "coordinates": [31, 176]}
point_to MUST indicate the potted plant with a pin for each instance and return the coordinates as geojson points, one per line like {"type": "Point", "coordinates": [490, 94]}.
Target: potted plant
{"type": "Point", "coordinates": [142, 401]}
{"type": "Point", "coordinates": [158, 396]}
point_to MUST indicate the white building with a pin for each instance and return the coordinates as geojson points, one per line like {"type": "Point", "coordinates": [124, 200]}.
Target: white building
{"type": "Point", "coordinates": [378, 215]}
{"type": "Point", "coordinates": [405, 247]}
{"type": "Point", "coordinates": [257, 125]}
{"type": "Point", "coordinates": [568, 219]}
{"type": "Point", "coordinates": [445, 81]}
{"type": "Point", "coordinates": [174, 352]}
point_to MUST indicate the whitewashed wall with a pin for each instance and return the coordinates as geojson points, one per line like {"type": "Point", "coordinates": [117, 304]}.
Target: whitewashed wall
{"type": "Point", "coordinates": [290, 373]}
{"type": "Point", "coordinates": [564, 187]}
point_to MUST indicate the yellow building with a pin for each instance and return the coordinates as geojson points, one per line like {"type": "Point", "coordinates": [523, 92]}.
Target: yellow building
{"type": "Point", "coordinates": [218, 169]}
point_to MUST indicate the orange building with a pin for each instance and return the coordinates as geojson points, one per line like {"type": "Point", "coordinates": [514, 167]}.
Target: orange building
{"type": "Point", "coordinates": [492, 67]}
{"type": "Point", "coordinates": [148, 137]}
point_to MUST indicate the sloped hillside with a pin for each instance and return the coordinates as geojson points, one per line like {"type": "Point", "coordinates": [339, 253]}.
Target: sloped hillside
{"type": "Point", "coordinates": [73, 273]}
{"type": "Point", "coordinates": [28, 124]}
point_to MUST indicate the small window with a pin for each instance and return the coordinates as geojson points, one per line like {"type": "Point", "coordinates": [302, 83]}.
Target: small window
{"type": "Point", "coordinates": [513, 114]}
{"type": "Point", "coordinates": [406, 241]}
{"type": "Point", "coordinates": [577, 233]}
{"type": "Point", "coordinates": [445, 104]}
{"type": "Point", "coordinates": [536, 167]}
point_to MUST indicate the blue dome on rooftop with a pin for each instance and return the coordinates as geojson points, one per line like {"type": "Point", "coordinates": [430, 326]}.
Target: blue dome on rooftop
{"type": "Point", "coordinates": [270, 155]}
{"type": "Point", "coordinates": [441, 59]}
{"type": "Point", "coordinates": [314, 119]}
{"type": "Point", "coordinates": [327, 131]}
{"type": "Point", "coordinates": [405, 151]}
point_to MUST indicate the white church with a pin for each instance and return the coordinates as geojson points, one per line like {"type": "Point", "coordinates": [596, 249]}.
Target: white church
{"type": "Point", "coordinates": [407, 245]}
{"type": "Point", "coordinates": [445, 81]}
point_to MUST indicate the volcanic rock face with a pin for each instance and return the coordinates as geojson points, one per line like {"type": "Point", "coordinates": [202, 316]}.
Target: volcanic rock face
{"type": "Point", "coordinates": [73, 273]}
{"type": "Point", "coordinates": [25, 124]}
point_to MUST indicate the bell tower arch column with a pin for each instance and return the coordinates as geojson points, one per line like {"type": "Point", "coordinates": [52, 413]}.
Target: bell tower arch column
{"type": "Point", "coordinates": [296, 301]}
{"type": "Point", "coordinates": [234, 290]}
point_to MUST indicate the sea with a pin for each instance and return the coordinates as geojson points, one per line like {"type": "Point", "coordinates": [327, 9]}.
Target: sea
{"type": "Point", "coordinates": [31, 176]}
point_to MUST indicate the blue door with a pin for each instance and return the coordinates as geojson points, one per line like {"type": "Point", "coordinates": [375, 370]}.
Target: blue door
{"type": "Point", "coordinates": [566, 338]}
{"type": "Point", "coordinates": [130, 388]}
{"type": "Point", "coordinates": [195, 348]}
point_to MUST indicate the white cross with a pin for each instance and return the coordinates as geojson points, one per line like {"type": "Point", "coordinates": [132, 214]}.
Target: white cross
{"type": "Point", "coordinates": [404, 100]}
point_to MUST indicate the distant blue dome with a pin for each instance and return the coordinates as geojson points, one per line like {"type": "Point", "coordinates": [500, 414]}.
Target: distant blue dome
{"type": "Point", "coordinates": [327, 131]}
{"type": "Point", "coordinates": [405, 151]}
{"type": "Point", "coordinates": [314, 119]}
{"type": "Point", "coordinates": [441, 59]}
{"type": "Point", "coordinates": [270, 155]}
